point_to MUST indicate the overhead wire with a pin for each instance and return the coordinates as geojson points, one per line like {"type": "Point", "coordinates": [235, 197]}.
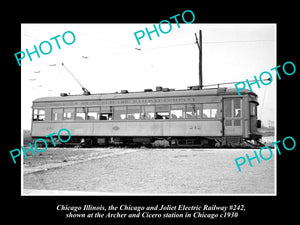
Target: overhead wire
{"type": "Point", "coordinates": [207, 42]}
{"type": "Point", "coordinates": [170, 46]}
{"type": "Point", "coordinates": [243, 41]}
{"type": "Point", "coordinates": [134, 49]}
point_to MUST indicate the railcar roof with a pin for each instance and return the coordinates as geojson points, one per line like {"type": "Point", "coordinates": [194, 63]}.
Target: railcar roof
{"type": "Point", "coordinates": [152, 94]}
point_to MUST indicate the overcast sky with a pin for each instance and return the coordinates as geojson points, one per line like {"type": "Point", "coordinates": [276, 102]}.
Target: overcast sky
{"type": "Point", "coordinates": [105, 58]}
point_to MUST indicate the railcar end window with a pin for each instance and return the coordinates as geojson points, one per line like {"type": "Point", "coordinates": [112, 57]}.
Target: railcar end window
{"type": "Point", "coordinates": [233, 112]}
{"type": "Point", "coordinates": [228, 122]}
{"type": "Point", "coordinates": [236, 123]}
{"type": "Point", "coordinates": [253, 109]}
{"type": "Point", "coordinates": [227, 108]}
{"type": "Point", "coordinates": [237, 107]}
{"type": "Point", "coordinates": [38, 114]}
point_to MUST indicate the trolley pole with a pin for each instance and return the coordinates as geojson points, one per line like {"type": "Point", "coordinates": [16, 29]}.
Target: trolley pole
{"type": "Point", "coordinates": [199, 44]}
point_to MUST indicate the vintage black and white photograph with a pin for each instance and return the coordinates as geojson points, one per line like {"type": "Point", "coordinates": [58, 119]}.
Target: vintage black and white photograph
{"type": "Point", "coordinates": [148, 108]}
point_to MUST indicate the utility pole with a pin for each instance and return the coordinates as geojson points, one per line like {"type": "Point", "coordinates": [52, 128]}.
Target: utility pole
{"type": "Point", "coordinates": [199, 43]}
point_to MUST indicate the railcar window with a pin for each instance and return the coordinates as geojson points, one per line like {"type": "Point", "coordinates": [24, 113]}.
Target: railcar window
{"type": "Point", "coordinates": [133, 112]}
{"type": "Point", "coordinates": [237, 107]}
{"type": "Point", "coordinates": [38, 115]}
{"type": "Point", "coordinates": [253, 109]}
{"type": "Point", "coordinates": [237, 112]}
{"type": "Point", "coordinates": [80, 113]}
{"type": "Point", "coordinates": [209, 110]}
{"type": "Point", "coordinates": [162, 112]}
{"type": "Point", "coordinates": [177, 111]}
{"type": "Point", "coordinates": [93, 113]}
{"type": "Point", "coordinates": [192, 110]}
{"type": "Point", "coordinates": [68, 113]}
{"type": "Point", "coordinates": [228, 122]}
{"type": "Point", "coordinates": [120, 112]}
{"type": "Point", "coordinates": [57, 114]}
{"type": "Point", "coordinates": [227, 108]}
{"type": "Point", "coordinates": [106, 116]}
{"type": "Point", "coordinates": [233, 112]}
{"type": "Point", "coordinates": [147, 112]}
{"type": "Point", "coordinates": [236, 123]}
{"type": "Point", "coordinates": [106, 113]}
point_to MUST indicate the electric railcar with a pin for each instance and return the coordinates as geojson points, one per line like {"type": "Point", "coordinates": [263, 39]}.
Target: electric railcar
{"type": "Point", "coordinates": [165, 117]}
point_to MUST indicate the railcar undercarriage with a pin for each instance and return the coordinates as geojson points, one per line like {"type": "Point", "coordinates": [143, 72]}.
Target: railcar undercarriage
{"type": "Point", "coordinates": [157, 142]}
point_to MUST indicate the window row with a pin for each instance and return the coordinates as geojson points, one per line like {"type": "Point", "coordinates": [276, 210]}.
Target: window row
{"type": "Point", "coordinates": [182, 111]}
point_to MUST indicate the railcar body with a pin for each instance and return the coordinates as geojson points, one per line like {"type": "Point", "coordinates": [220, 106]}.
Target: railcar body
{"type": "Point", "coordinates": [207, 117]}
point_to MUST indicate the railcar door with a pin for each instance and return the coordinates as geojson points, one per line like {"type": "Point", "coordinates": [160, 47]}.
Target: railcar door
{"type": "Point", "coordinates": [232, 112]}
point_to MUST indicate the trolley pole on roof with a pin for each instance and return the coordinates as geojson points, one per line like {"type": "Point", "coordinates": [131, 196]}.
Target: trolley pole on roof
{"type": "Point", "coordinates": [85, 91]}
{"type": "Point", "coordinates": [199, 44]}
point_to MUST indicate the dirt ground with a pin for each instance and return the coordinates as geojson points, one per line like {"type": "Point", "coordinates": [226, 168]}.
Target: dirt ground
{"type": "Point", "coordinates": [60, 157]}
{"type": "Point", "coordinates": [147, 171]}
